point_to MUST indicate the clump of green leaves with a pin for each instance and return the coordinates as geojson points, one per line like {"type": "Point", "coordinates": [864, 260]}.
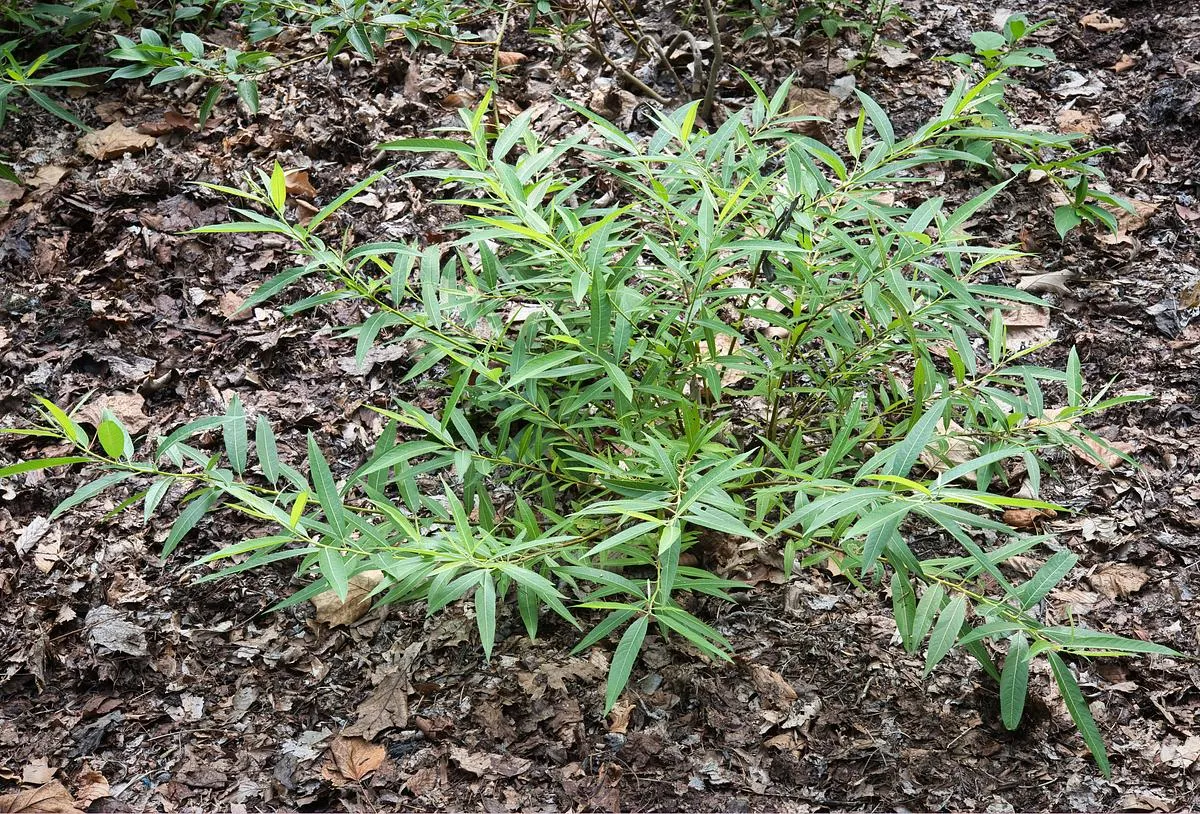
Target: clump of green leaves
{"type": "Point", "coordinates": [746, 343]}
{"type": "Point", "coordinates": [35, 78]}
{"type": "Point", "coordinates": [996, 55]}
{"type": "Point", "coordinates": [190, 59]}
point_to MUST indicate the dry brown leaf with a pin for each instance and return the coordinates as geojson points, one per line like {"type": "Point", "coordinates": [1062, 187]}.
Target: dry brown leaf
{"type": "Point", "coordinates": [52, 798]}
{"type": "Point", "coordinates": [458, 99]}
{"type": "Point", "coordinates": [114, 141]}
{"type": "Point", "coordinates": [333, 611]}
{"type": "Point", "coordinates": [507, 59]}
{"type": "Point", "coordinates": [957, 450]}
{"type": "Point", "coordinates": [773, 689]}
{"type": "Point", "coordinates": [353, 759]}
{"type": "Point", "coordinates": [1124, 63]}
{"type": "Point", "coordinates": [1118, 579]}
{"type": "Point", "coordinates": [48, 176]}
{"type": "Point", "coordinates": [1076, 601]}
{"type": "Point", "coordinates": [1028, 518]}
{"type": "Point", "coordinates": [1071, 120]}
{"type": "Point", "coordinates": [298, 185]}
{"type": "Point", "coordinates": [1129, 222]}
{"type": "Point", "coordinates": [127, 407]}
{"type": "Point", "coordinates": [169, 123]}
{"type": "Point", "coordinates": [37, 773]}
{"type": "Point", "coordinates": [387, 706]}
{"type": "Point", "coordinates": [619, 717]}
{"type": "Point", "coordinates": [1025, 315]}
{"type": "Point", "coordinates": [228, 305]}
{"type": "Point", "coordinates": [1102, 457]}
{"type": "Point", "coordinates": [90, 786]}
{"type": "Point", "coordinates": [1099, 21]}
{"type": "Point", "coordinates": [1050, 282]}
{"type": "Point", "coordinates": [810, 102]}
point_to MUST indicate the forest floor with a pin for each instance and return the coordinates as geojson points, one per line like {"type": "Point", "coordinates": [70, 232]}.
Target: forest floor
{"type": "Point", "coordinates": [139, 690]}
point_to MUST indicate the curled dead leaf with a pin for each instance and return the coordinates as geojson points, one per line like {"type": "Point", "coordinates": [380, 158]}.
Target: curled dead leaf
{"type": "Point", "coordinates": [334, 612]}
{"type": "Point", "coordinates": [507, 59]}
{"type": "Point", "coordinates": [1028, 518]}
{"type": "Point", "coordinates": [352, 759]}
{"type": "Point", "coordinates": [1118, 579]}
{"type": "Point", "coordinates": [1124, 63]}
{"type": "Point", "coordinates": [52, 798]}
{"type": "Point", "coordinates": [114, 141]}
{"type": "Point", "coordinates": [298, 185]}
{"type": "Point", "coordinates": [1099, 21]}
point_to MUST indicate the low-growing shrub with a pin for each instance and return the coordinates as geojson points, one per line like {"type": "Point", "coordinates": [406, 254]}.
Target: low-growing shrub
{"type": "Point", "coordinates": [756, 338]}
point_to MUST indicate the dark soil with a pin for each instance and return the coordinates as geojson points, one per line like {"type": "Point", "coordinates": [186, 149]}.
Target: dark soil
{"type": "Point", "coordinates": [209, 702]}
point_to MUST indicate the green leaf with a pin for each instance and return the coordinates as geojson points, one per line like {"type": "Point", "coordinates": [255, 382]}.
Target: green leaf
{"type": "Point", "coordinates": [623, 660]}
{"type": "Point", "coordinates": [90, 490]}
{"type": "Point", "coordinates": [268, 452]}
{"type": "Point", "coordinates": [945, 633]}
{"type": "Point", "coordinates": [188, 518]}
{"type": "Point", "coordinates": [72, 430]}
{"type": "Point", "coordinates": [113, 437]}
{"type": "Point", "coordinates": [904, 608]}
{"type": "Point", "coordinates": [327, 493]}
{"type": "Point", "coordinates": [278, 187]}
{"type": "Point", "coordinates": [1066, 218]}
{"type": "Point", "coordinates": [1014, 681]}
{"type": "Point", "coordinates": [40, 463]}
{"type": "Point", "coordinates": [485, 613]}
{"type": "Point", "coordinates": [247, 90]}
{"type": "Point", "coordinates": [334, 569]}
{"type": "Point", "coordinates": [234, 430]}
{"type": "Point", "coordinates": [1080, 714]}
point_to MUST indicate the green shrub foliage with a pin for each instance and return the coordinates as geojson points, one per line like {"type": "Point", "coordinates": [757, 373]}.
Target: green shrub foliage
{"type": "Point", "coordinates": [748, 335]}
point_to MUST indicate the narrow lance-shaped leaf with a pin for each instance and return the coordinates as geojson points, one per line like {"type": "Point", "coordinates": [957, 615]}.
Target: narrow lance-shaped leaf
{"type": "Point", "coordinates": [236, 439]}
{"type": "Point", "coordinates": [945, 633]}
{"type": "Point", "coordinates": [188, 519]}
{"type": "Point", "coordinates": [1080, 713]}
{"type": "Point", "coordinates": [1014, 681]}
{"type": "Point", "coordinates": [623, 660]}
{"type": "Point", "coordinates": [327, 493]}
{"type": "Point", "coordinates": [268, 451]}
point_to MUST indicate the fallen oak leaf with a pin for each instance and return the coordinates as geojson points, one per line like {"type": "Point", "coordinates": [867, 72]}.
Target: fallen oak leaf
{"type": "Point", "coordinates": [353, 759]}
{"type": "Point", "coordinates": [1118, 579]}
{"type": "Point", "coordinates": [52, 798]}
{"type": "Point", "coordinates": [114, 141]}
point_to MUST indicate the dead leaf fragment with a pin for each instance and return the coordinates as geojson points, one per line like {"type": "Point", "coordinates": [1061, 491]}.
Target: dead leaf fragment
{"type": "Point", "coordinates": [773, 689]}
{"type": "Point", "coordinates": [333, 611]}
{"type": "Point", "coordinates": [1028, 518]}
{"type": "Point", "coordinates": [90, 786]}
{"type": "Point", "coordinates": [127, 407]}
{"type": "Point", "coordinates": [353, 759]}
{"type": "Point", "coordinates": [810, 102]}
{"type": "Point", "coordinates": [298, 185]}
{"type": "Point", "coordinates": [52, 798]}
{"type": "Point", "coordinates": [114, 141]}
{"type": "Point", "coordinates": [458, 99]}
{"type": "Point", "coordinates": [110, 629]}
{"type": "Point", "coordinates": [1099, 21]}
{"type": "Point", "coordinates": [1118, 579]}
{"type": "Point", "coordinates": [37, 772]}
{"type": "Point", "coordinates": [1129, 222]}
{"type": "Point", "coordinates": [1124, 63]}
{"type": "Point", "coordinates": [1071, 120]}
{"type": "Point", "coordinates": [507, 59]}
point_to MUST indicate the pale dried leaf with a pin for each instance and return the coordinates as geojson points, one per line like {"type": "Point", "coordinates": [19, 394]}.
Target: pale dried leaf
{"type": "Point", "coordinates": [114, 141]}
{"type": "Point", "coordinates": [127, 407]}
{"type": "Point", "coordinates": [1118, 579]}
{"type": "Point", "coordinates": [1099, 21]}
{"type": "Point", "coordinates": [332, 611]}
{"type": "Point", "coordinates": [355, 758]}
{"type": "Point", "coordinates": [52, 798]}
